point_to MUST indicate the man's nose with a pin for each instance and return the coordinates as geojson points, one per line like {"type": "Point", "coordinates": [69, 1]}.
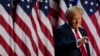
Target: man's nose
{"type": "Point", "coordinates": [77, 21]}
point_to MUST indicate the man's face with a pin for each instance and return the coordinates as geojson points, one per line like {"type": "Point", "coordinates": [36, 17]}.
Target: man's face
{"type": "Point", "coordinates": [75, 21]}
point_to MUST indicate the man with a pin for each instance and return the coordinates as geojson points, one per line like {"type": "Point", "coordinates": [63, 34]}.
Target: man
{"type": "Point", "coordinates": [70, 38]}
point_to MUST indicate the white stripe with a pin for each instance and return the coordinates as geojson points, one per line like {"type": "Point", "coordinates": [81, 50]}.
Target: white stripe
{"type": "Point", "coordinates": [8, 19]}
{"type": "Point", "coordinates": [60, 21]}
{"type": "Point", "coordinates": [99, 21]}
{"type": "Point", "coordinates": [3, 52]}
{"type": "Point", "coordinates": [63, 6]}
{"type": "Point", "coordinates": [28, 22]}
{"type": "Point", "coordinates": [98, 17]}
{"type": "Point", "coordinates": [24, 38]}
{"type": "Point", "coordinates": [10, 42]}
{"type": "Point", "coordinates": [92, 51]}
{"type": "Point", "coordinates": [40, 53]}
{"type": "Point", "coordinates": [6, 16]}
{"type": "Point", "coordinates": [38, 27]}
{"type": "Point", "coordinates": [91, 26]}
{"type": "Point", "coordinates": [53, 5]}
{"type": "Point", "coordinates": [45, 21]}
{"type": "Point", "coordinates": [42, 36]}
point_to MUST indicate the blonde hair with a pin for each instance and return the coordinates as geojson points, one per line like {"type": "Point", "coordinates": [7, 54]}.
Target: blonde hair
{"type": "Point", "coordinates": [73, 10]}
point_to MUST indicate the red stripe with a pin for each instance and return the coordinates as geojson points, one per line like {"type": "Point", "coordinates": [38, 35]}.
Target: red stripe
{"type": "Point", "coordinates": [43, 48]}
{"type": "Point", "coordinates": [99, 10]}
{"type": "Point", "coordinates": [56, 1]}
{"type": "Point", "coordinates": [54, 13]}
{"type": "Point", "coordinates": [54, 20]}
{"type": "Point", "coordinates": [95, 22]}
{"type": "Point", "coordinates": [7, 47]}
{"type": "Point", "coordinates": [15, 37]}
{"type": "Point", "coordinates": [62, 15]}
{"type": "Point", "coordinates": [91, 38]}
{"type": "Point", "coordinates": [27, 31]}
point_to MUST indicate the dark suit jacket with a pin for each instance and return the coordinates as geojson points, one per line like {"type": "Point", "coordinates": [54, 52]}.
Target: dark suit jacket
{"type": "Point", "coordinates": [65, 41]}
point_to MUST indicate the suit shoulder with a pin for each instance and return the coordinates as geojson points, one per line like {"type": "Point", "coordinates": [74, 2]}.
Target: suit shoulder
{"type": "Point", "coordinates": [61, 28]}
{"type": "Point", "coordinates": [64, 26]}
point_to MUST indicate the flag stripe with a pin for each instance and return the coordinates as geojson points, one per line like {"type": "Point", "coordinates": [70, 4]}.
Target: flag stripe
{"type": "Point", "coordinates": [27, 24]}
{"type": "Point", "coordinates": [16, 38]}
{"type": "Point", "coordinates": [92, 51]}
{"type": "Point", "coordinates": [7, 48]}
{"type": "Point", "coordinates": [45, 27]}
{"type": "Point", "coordinates": [6, 16]}
{"type": "Point", "coordinates": [2, 51]}
{"type": "Point", "coordinates": [25, 31]}
{"type": "Point", "coordinates": [37, 28]}
{"type": "Point", "coordinates": [11, 43]}
{"type": "Point", "coordinates": [95, 22]}
{"type": "Point", "coordinates": [6, 43]}
{"type": "Point", "coordinates": [45, 38]}
{"type": "Point", "coordinates": [40, 34]}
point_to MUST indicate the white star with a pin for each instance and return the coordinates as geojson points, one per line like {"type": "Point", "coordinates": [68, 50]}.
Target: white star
{"type": "Point", "coordinates": [71, 0]}
{"type": "Point", "coordinates": [46, 1]}
{"type": "Point", "coordinates": [28, 0]}
{"type": "Point", "coordinates": [91, 10]}
{"type": "Point", "coordinates": [70, 5]}
{"type": "Point", "coordinates": [8, 4]}
{"type": "Point", "coordinates": [28, 6]}
{"type": "Point", "coordinates": [46, 7]}
{"type": "Point", "coordinates": [22, 0]}
{"type": "Point", "coordinates": [91, 3]}
{"type": "Point", "coordinates": [86, 2]}
{"type": "Point", "coordinates": [97, 5]}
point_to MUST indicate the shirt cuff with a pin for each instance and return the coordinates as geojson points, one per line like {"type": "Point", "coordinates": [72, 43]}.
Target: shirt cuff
{"type": "Point", "coordinates": [77, 44]}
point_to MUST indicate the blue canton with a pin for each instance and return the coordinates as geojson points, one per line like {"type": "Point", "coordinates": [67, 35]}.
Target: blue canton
{"type": "Point", "coordinates": [44, 6]}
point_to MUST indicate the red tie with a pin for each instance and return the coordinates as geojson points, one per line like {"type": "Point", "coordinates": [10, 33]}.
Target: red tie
{"type": "Point", "coordinates": [82, 48]}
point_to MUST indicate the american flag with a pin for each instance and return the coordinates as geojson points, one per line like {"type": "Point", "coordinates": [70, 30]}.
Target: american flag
{"type": "Point", "coordinates": [6, 29]}
{"type": "Point", "coordinates": [27, 30]}
{"type": "Point", "coordinates": [35, 32]}
{"type": "Point", "coordinates": [45, 33]}
{"type": "Point", "coordinates": [24, 30]}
